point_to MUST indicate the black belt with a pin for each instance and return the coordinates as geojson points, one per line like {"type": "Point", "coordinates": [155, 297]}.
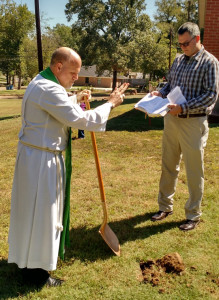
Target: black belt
{"type": "Point", "coordinates": [192, 115]}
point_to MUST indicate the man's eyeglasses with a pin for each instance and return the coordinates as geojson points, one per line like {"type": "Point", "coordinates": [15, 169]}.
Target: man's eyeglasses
{"type": "Point", "coordinates": [186, 44]}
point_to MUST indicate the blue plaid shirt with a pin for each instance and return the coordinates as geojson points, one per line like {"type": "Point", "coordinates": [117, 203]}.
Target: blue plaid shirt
{"type": "Point", "coordinates": [198, 78]}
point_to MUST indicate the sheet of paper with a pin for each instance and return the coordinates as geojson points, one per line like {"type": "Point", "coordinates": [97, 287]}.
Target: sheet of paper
{"type": "Point", "coordinates": [176, 96]}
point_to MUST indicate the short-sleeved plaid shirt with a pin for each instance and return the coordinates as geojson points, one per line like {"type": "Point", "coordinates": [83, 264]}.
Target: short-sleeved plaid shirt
{"type": "Point", "coordinates": [198, 78]}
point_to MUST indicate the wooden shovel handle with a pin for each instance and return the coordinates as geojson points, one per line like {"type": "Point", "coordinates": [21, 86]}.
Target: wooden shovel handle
{"type": "Point", "coordinates": [97, 161]}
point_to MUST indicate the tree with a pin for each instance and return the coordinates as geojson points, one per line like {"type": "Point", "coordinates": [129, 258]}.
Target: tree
{"type": "Point", "coordinates": [28, 57]}
{"type": "Point", "coordinates": [15, 23]}
{"type": "Point", "coordinates": [153, 58]}
{"type": "Point", "coordinates": [189, 12]}
{"type": "Point", "coordinates": [28, 53]}
{"type": "Point", "coordinates": [167, 11]}
{"type": "Point", "coordinates": [171, 14]}
{"type": "Point", "coordinates": [60, 35]}
{"type": "Point", "coordinates": [64, 36]}
{"type": "Point", "coordinates": [108, 30]}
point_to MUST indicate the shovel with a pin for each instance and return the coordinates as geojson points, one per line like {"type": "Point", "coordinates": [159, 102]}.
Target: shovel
{"type": "Point", "coordinates": [106, 232]}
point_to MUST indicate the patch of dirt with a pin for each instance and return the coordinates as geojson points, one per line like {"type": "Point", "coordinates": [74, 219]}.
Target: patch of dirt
{"type": "Point", "coordinates": [153, 270]}
{"type": "Point", "coordinates": [11, 96]}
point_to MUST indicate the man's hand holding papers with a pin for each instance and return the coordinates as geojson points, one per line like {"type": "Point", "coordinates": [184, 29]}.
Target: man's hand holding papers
{"type": "Point", "coordinates": [154, 105]}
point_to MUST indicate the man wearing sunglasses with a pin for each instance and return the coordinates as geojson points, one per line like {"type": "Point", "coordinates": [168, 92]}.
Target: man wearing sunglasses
{"type": "Point", "coordinates": [185, 134]}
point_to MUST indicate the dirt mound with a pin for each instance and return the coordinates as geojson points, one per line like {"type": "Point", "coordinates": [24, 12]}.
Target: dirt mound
{"type": "Point", "coordinates": [153, 270]}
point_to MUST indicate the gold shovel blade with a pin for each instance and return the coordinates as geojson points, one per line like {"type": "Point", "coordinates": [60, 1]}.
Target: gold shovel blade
{"type": "Point", "coordinates": [110, 238]}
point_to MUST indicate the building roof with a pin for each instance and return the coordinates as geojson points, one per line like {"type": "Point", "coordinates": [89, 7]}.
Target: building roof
{"type": "Point", "coordinates": [136, 75]}
{"type": "Point", "coordinates": [91, 71]}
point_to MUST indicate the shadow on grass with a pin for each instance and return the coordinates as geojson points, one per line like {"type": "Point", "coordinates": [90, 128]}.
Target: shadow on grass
{"type": "Point", "coordinates": [96, 103]}
{"type": "Point", "coordinates": [9, 117]}
{"type": "Point", "coordinates": [132, 120]}
{"type": "Point", "coordinates": [11, 285]}
{"type": "Point", "coordinates": [213, 121]}
{"type": "Point", "coordinates": [88, 245]}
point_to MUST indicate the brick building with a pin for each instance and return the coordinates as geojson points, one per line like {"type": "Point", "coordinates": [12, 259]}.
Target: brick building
{"type": "Point", "coordinates": [88, 77]}
{"type": "Point", "coordinates": [211, 27]}
{"type": "Point", "coordinates": [209, 24]}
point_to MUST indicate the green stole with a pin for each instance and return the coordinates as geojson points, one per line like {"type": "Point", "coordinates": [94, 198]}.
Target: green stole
{"type": "Point", "coordinates": [64, 240]}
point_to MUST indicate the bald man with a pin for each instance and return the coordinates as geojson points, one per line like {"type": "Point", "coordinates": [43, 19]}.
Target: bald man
{"type": "Point", "coordinates": [39, 179]}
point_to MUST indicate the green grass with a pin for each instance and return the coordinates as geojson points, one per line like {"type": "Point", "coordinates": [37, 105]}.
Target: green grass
{"type": "Point", "coordinates": [10, 108]}
{"type": "Point", "coordinates": [130, 157]}
{"type": "Point", "coordinates": [15, 92]}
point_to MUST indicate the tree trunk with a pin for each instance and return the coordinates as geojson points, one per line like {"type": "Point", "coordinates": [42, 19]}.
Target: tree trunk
{"type": "Point", "coordinates": [7, 78]}
{"type": "Point", "coordinates": [114, 79]}
{"type": "Point", "coordinates": [170, 48]}
{"type": "Point", "coordinates": [19, 82]}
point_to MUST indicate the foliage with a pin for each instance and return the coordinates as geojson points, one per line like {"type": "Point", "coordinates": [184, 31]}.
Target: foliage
{"type": "Point", "coordinates": [28, 54]}
{"type": "Point", "coordinates": [51, 39]}
{"type": "Point", "coordinates": [189, 11]}
{"type": "Point", "coordinates": [110, 29]}
{"type": "Point", "coordinates": [16, 21]}
{"type": "Point", "coordinates": [18, 46]}
{"type": "Point", "coordinates": [117, 36]}
{"type": "Point", "coordinates": [29, 58]}
{"type": "Point", "coordinates": [152, 55]}
{"type": "Point", "coordinates": [167, 11]}
{"type": "Point", "coordinates": [171, 14]}
{"type": "Point", "coordinates": [64, 36]}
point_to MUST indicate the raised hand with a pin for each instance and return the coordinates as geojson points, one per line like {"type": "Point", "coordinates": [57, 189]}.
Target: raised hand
{"type": "Point", "coordinates": [117, 96]}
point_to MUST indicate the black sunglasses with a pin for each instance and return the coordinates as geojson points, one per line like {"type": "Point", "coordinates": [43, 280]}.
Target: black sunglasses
{"type": "Point", "coordinates": [186, 44]}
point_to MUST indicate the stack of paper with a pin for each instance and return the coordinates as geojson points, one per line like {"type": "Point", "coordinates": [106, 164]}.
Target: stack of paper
{"type": "Point", "coordinates": [156, 106]}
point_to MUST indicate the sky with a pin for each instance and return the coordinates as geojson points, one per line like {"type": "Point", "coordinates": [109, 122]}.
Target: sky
{"type": "Point", "coordinates": [53, 10]}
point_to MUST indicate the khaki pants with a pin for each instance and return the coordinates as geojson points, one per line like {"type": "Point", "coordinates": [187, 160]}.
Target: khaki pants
{"type": "Point", "coordinates": [187, 137]}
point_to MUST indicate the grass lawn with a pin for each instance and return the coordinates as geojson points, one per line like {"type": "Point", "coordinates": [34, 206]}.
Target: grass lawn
{"type": "Point", "coordinates": [10, 108]}
{"type": "Point", "coordinates": [130, 157]}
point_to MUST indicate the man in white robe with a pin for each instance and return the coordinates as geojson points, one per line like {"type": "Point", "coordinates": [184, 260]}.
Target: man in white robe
{"type": "Point", "coordinates": [39, 178]}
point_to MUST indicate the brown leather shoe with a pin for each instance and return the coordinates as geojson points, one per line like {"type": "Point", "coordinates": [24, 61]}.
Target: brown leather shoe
{"type": "Point", "coordinates": [160, 215]}
{"type": "Point", "coordinates": [189, 225]}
